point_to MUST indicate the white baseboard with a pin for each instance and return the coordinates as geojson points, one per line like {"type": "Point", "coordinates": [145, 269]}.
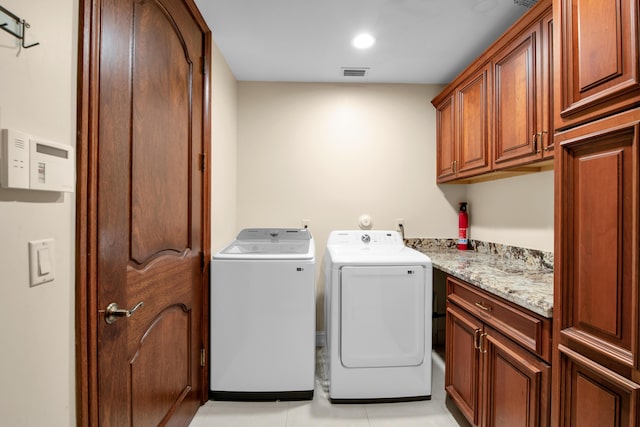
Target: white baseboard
{"type": "Point", "coordinates": [321, 338]}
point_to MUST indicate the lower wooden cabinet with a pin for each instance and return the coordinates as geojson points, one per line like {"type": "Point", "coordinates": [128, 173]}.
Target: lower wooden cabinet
{"type": "Point", "coordinates": [516, 384]}
{"type": "Point", "coordinates": [462, 362]}
{"type": "Point", "coordinates": [592, 395]}
{"type": "Point", "coordinates": [493, 380]}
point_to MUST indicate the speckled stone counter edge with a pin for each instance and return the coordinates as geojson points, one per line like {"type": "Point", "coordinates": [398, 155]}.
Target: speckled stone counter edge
{"type": "Point", "coordinates": [532, 258]}
{"type": "Point", "coordinates": [522, 276]}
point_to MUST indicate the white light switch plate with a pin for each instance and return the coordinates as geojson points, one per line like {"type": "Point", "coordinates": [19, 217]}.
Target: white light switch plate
{"type": "Point", "coordinates": [41, 261]}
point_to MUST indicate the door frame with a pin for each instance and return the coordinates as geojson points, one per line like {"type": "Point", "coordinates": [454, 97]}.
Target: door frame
{"type": "Point", "coordinates": [86, 298]}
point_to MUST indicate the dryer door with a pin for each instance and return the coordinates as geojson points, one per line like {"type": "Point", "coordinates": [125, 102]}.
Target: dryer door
{"type": "Point", "coordinates": [382, 316]}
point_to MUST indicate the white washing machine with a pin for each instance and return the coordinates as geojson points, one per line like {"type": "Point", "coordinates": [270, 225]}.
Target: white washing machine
{"type": "Point", "coordinates": [263, 316]}
{"type": "Point", "coordinates": [378, 311]}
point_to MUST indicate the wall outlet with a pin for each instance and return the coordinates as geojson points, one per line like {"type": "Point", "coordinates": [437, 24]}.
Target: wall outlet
{"type": "Point", "coordinates": [306, 223]}
{"type": "Point", "coordinates": [399, 223]}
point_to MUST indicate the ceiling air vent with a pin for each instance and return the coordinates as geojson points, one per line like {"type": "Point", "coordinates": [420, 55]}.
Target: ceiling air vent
{"type": "Point", "coordinates": [354, 72]}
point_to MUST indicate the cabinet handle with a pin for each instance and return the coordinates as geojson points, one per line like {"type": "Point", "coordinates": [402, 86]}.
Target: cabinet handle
{"type": "Point", "coordinates": [537, 137]}
{"type": "Point", "coordinates": [476, 338]}
{"type": "Point", "coordinates": [454, 166]}
{"type": "Point", "coordinates": [548, 147]}
{"type": "Point", "coordinates": [483, 350]}
{"type": "Point", "coordinates": [534, 142]}
{"type": "Point", "coordinates": [540, 134]}
{"type": "Point", "coordinates": [482, 306]}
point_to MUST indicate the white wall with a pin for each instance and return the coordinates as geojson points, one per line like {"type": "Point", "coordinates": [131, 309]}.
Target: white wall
{"type": "Point", "coordinates": [37, 95]}
{"type": "Point", "coordinates": [330, 153]}
{"type": "Point", "coordinates": [514, 211]}
{"type": "Point", "coordinates": [224, 107]}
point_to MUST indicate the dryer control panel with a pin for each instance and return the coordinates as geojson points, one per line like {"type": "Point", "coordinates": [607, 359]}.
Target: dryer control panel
{"type": "Point", "coordinates": [358, 238]}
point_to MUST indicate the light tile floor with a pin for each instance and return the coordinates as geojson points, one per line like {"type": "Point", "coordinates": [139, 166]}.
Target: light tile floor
{"type": "Point", "coordinates": [437, 412]}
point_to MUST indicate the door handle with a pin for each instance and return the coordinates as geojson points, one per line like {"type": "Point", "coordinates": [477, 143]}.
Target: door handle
{"type": "Point", "coordinates": [113, 312]}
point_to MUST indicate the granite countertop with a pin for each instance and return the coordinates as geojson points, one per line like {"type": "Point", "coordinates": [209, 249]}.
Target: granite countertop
{"type": "Point", "coordinates": [521, 276]}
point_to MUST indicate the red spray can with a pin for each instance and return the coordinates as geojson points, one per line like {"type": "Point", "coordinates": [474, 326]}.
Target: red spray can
{"type": "Point", "coordinates": [463, 227]}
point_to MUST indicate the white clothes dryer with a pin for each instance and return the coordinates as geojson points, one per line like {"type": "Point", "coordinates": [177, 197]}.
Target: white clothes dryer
{"type": "Point", "coordinates": [378, 314]}
{"type": "Point", "coordinates": [263, 316]}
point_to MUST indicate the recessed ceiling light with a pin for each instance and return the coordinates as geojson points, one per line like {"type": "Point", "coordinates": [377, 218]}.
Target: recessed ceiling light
{"type": "Point", "coordinates": [363, 41]}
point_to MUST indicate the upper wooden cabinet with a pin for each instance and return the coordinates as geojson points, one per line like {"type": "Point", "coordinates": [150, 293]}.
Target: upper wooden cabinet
{"type": "Point", "coordinates": [496, 116]}
{"type": "Point", "coordinates": [473, 125]}
{"type": "Point", "coordinates": [521, 104]}
{"type": "Point", "coordinates": [446, 136]}
{"type": "Point", "coordinates": [597, 52]}
{"type": "Point", "coordinates": [462, 129]}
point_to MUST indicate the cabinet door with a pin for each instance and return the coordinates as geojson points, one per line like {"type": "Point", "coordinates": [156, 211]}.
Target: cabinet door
{"type": "Point", "coordinates": [516, 384]}
{"type": "Point", "coordinates": [597, 59]}
{"type": "Point", "coordinates": [473, 125]}
{"type": "Point", "coordinates": [592, 395]}
{"type": "Point", "coordinates": [462, 362]}
{"type": "Point", "coordinates": [597, 293]}
{"type": "Point", "coordinates": [445, 140]}
{"type": "Point", "coordinates": [545, 138]}
{"type": "Point", "coordinates": [516, 99]}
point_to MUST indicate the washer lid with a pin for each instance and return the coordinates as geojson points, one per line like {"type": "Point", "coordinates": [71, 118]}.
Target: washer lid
{"type": "Point", "coordinates": [270, 243]}
{"type": "Point", "coordinates": [274, 234]}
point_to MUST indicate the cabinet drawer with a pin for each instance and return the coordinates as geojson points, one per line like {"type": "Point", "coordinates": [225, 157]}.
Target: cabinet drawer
{"type": "Point", "coordinates": [528, 329]}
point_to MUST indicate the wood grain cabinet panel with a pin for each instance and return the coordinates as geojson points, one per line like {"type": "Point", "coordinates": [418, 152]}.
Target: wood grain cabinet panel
{"type": "Point", "coordinates": [516, 98]}
{"type": "Point", "coordinates": [462, 129]}
{"type": "Point", "coordinates": [546, 139]}
{"type": "Point", "coordinates": [592, 395]}
{"type": "Point", "coordinates": [446, 137]}
{"type": "Point", "coordinates": [494, 377]}
{"type": "Point", "coordinates": [494, 119]}
{"type": "Point", "coordinates": [462, 376]}
{"type": "Point", "coordinates": [517, 385]}
{"type": "Point", "coordinates": [597, 295]}
{"type": "Point", "coordinates": [597, 52]}
{"type": "Point", "coordinates": [522, 126]}
{"type": "Point", "coordinates": [473, 125]}
{"type": "Point", "coordinates": [598, 209]}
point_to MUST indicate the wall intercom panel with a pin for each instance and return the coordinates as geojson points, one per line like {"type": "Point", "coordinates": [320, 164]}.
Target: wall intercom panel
{"type": "Point", "coordinates": [27, 162]}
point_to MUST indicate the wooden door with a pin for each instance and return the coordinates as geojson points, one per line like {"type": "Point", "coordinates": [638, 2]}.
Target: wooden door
{"type": "Point", "coordinates": [462, 374]}
{"type": "Point", "coordinates": [516, 385]}
{"type": "Point", "coordinates": [597, 59]}
{"type": "Point", "coordinates": [446, 139]}
{"type": "Point", "coordinates": [143, 210]}
{"type": "Point", "coordinates": [516, 74]}
{"type": "Point", "coordinates": [473, 125]}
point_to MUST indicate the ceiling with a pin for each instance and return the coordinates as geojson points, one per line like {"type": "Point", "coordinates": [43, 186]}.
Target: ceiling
{"type": "Point", "coordinates": [417, 41]}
